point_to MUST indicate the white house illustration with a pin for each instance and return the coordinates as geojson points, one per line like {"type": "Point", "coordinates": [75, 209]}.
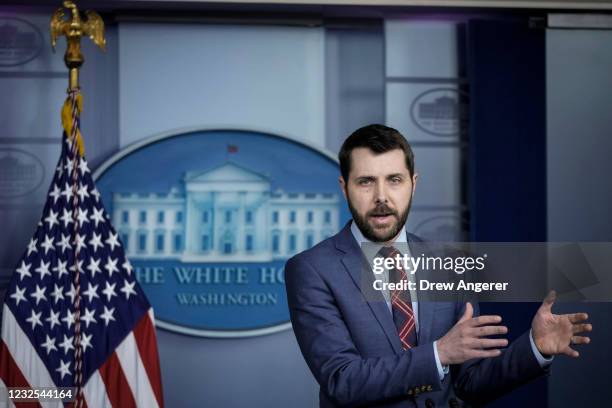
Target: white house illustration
{"type": "Point", "coordinates": [226, 214]}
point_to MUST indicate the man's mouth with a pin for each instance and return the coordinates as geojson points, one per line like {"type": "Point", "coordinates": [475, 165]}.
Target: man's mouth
{"type": "Point", "coordinates": [384, 218]}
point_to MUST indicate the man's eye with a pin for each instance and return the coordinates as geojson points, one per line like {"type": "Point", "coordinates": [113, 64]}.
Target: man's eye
{"type": "Point", "coordinates": [396, 180]}
{"type": "Point", "coordinates": [365, 182]}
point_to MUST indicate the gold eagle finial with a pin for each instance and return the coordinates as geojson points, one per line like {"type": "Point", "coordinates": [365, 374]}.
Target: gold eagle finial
{"type": "Point", "coordinates": [73, 28]}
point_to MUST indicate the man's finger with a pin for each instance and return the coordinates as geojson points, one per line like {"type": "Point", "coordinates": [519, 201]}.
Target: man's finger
{"type": "Point", "coordinates": [580, 340]}
{"type": "Point", "coordinates": [484, 353]}
{"type": "Point", "coordinates": [582, 328]}
{"type": "Point", "coordinates": [568, 351]}
{"type": "Point", "coordinates": [467, 314]}
{"type": "Point", "coordinates": [486, 319]}
{"type": "Point", "coordinates": [577, 317]}
{"type": "Point", "coordinates": [491, 343]}
{"type": "Point", "coordinates": [484, 331]}
{"type": "Point", "coordinates": [549, 300]}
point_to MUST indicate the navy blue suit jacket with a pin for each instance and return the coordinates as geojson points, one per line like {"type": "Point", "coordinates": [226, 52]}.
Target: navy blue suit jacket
{"type": "Point", "coordinates": [350, 343]}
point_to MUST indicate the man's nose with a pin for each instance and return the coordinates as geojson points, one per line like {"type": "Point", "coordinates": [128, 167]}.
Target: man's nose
{"type": "Point", "coordinates": [380, 193]}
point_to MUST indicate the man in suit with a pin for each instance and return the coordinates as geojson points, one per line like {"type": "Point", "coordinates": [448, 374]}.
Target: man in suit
{"type": "Point", "coordinates": [390, 351]}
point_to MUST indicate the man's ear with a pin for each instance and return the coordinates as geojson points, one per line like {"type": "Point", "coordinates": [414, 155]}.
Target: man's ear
{"type": "Point", "coordinates": [342, 186]}
{"type": "Point", "coordinates": [414, 181]}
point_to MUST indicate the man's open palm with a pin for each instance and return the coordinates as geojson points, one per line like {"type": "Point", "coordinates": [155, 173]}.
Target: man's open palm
{"type": "Point", "coordinates": [554, 334]}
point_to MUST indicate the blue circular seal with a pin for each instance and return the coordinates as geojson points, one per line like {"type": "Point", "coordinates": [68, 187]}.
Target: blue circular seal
{"type": "Point", "coordinates": [209, 217]}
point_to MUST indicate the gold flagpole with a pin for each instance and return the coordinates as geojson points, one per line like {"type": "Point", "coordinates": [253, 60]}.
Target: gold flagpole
{"type": "Point", "coordinates": [73, 28]}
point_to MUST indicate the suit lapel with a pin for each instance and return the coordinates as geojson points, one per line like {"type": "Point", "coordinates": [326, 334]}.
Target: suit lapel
{"type": "Point", "coordinates": [358, 268]}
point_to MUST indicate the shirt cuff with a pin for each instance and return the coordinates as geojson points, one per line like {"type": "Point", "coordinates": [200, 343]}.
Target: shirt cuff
{"type": "Point", "coordinates": [442, 370]}
{"type": "Point", "coordinates": [542, 361]}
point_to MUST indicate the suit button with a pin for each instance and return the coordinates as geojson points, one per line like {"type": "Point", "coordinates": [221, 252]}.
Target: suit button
{"type": "Point", "coordinates": [429, 403]}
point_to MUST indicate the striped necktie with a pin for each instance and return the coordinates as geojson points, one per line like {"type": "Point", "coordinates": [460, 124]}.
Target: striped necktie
{"type": "Point", "coordinates": [401, 304]}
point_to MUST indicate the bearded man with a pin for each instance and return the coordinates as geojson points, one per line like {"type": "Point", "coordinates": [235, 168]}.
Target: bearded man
{"type": "Point", "coordinates": [391, 350]}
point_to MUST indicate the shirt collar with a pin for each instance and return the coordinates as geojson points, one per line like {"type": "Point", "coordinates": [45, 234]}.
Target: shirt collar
{"type": "Point", "coordinates": [371, 251]}
{"type": "Point", "coordinates": [358, 235]}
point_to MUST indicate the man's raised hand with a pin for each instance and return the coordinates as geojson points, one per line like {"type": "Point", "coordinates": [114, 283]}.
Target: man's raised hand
{"type": "Point", "coordinates": [467, 339]}
{"type": "Point", "coordinates": [554, 334]}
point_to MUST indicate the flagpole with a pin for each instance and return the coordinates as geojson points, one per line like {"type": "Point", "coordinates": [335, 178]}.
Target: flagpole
{"type": "Point", "coordinates": [74, 28]}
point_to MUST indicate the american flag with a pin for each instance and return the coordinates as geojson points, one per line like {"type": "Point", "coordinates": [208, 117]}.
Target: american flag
{"type": "Point", "coordinates": [120, 365]}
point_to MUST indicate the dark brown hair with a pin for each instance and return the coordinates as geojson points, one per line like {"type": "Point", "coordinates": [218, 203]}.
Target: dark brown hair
{"type": "Point", "coordinates": [377, 138]}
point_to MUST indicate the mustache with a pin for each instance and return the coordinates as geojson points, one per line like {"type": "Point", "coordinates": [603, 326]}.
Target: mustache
{"type": "Point", "coordinates": [382, 210]}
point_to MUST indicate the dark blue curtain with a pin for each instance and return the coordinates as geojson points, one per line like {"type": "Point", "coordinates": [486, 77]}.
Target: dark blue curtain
{"type": "Point", "coordinates": [507, 155]}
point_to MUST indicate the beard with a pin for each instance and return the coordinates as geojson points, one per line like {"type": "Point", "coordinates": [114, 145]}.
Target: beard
{"type": "Point", "coordinates": [380, 233]}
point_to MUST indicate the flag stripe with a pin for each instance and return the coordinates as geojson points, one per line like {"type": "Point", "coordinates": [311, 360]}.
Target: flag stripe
{"type": "Point", "coordinates": [9, 402]}
{"type": "Point", "coordinates": [135, 372]}
{"type": "Point", "coordinates": [117, 387]}
{"type": "Point", "coordinates": [11, 375]}
{"type": "Point", "coordinates": [95, 392]}
{"type": "Point", "coordinates": [144, 332]}
{"type": "Point", "coordinates": [24, 356]}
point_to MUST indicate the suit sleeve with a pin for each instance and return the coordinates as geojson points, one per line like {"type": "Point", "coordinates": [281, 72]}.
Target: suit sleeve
{"type": "Point", "coordinates": [480, 381]}
{"type": "Point", "coordinates": [325, 341]}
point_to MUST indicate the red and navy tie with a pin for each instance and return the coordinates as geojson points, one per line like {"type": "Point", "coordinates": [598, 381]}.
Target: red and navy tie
{"type": "Point", "coordinates": [401, 304]}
